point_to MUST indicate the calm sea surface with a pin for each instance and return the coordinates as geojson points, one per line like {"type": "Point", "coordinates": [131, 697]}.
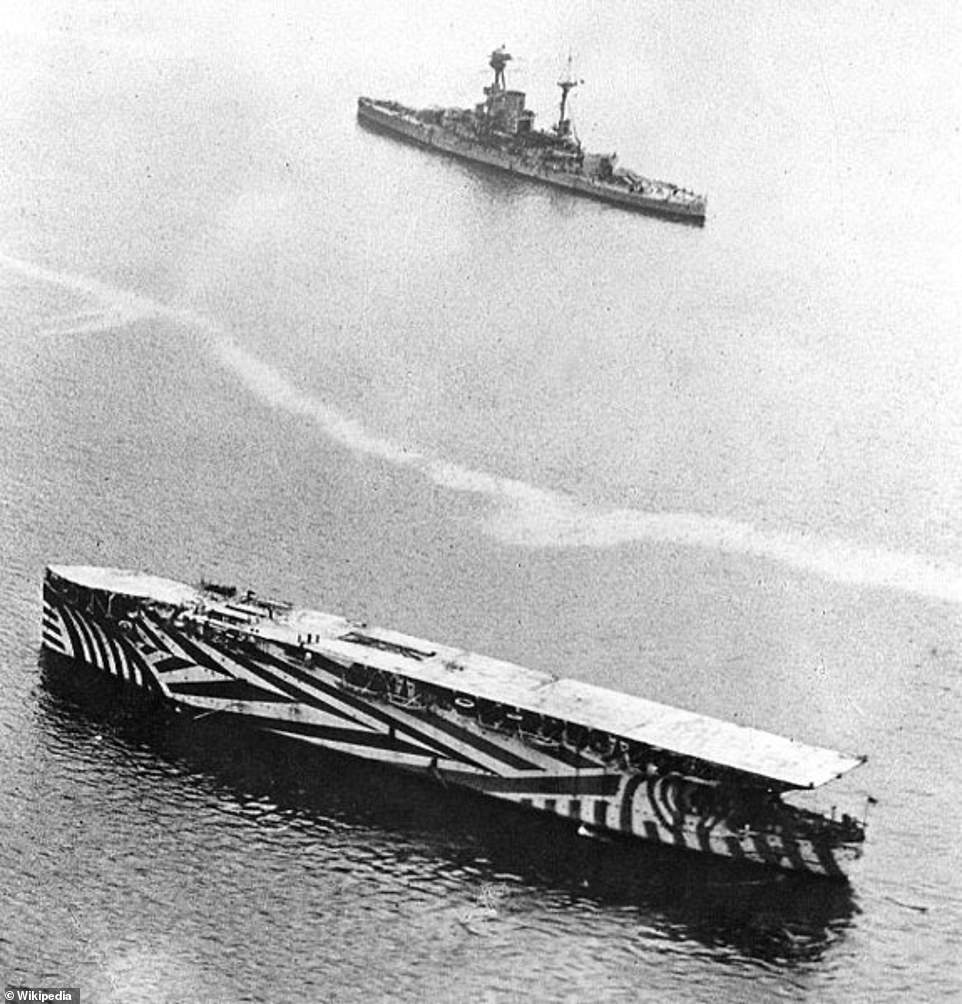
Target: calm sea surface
{"type": "Point", "coordinates": [244, 338]}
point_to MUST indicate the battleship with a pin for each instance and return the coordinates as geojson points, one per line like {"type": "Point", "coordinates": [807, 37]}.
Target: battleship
{"type": "Point", "coordinates": [608, 763]}
{"type": "Point", "coordinates": [500, 133]}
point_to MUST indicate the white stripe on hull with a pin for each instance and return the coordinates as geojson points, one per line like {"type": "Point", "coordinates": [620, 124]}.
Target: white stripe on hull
{"type": "Point", "coordinates": [85, 654]}
{"type": "Point", "coordinates": [585, 809]}
{"type": "Point", "coordinates": [403, 722]}
{"type": "Point", "coordinates": [191, 674]}
{"type": "Point", "coordinates": [270, 711]}
{"type": "Point", "coordinates": [649, 809]}
{"type": "Point", "coordinates": [53, 642]}
{"type": "Point", "coordinates": [421, 761]}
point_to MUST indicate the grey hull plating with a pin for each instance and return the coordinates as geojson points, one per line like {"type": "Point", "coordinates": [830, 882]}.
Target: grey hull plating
{"type": "Point", "coordinates": [660, 198]}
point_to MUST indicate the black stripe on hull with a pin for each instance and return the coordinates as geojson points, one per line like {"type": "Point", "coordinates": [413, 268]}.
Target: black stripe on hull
{"type": "Point", "coordinates": [704, 838]}
{"type": "Point", "coordinates": [547, 784]}
{"type": "Point", "coordinates": [295, 693]}
{"type": "Point", "coordinates": [171, 663]}
{"type": "Point", "coordinates": [330, 689]}
{"type": "Point", "coordinates": [511, 760]}
{"type": "Point", "coordinates": [372, 711]}
{"type": "Point", "coordinates": [253, 661]}
{"type": "Point", "coordinates": [288, 692]}
{"type": "Point", "coordinates": [652, 832]}
{"type": "Point", "coordinates": [735, 849]}
{"type": "Point", "coordinates": [55, 644]}
{"type": "Point", "coordinates": [827, 860]}
{"type": "Point", "coordinates": [146, 673]}
{"type": "Point", "coordinates": [200, 657]}
{"type": "Point", "coordinates": [765, 850]}
{"type": "Point", "coordinates": [97, 648]}
{"type": "Point", "coordinates": [333, 734]}
{"type": "Point", "coordinates": [98, 645]}
{"type": "Point", "coordinates": [791, 849]}
{"type": "Point", "coordinates": [79, 651]}
{"type": "Point", "coordinates": [104, 647]}
{"type": "Point", "coordinates": [653, 786]}
{"type": "Point", "coordinates": [149, 632]}
{"type": "Point", "coordinates": [627, 801]}
{"type": "Point", "coordinates": [228, 690]}
{"type": "Point", "coordinates": [118, 656]}
{"type": "Point", "coordinates": [568, 757]}
{"type": "Point", "coordinates": [678, 832]}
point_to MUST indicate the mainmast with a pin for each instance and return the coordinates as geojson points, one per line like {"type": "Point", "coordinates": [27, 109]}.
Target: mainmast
{"type": "Point", "coordinates": [567, 83]}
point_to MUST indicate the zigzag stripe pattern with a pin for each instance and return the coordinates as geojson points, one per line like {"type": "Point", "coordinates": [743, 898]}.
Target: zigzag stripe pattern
{"type": "Point", "coordinates": [311, 693]}
{"type": "Point", "coordinates": [323, 687]}
{"type": "Point", "coordinates": [98, 645]}
{"type": "Point", "coordinates": [53, 632]}
{"type": "Point", "coordinates": [205, 666]}
{"type": "Point", "coordinates": [584, 795]}
{"type": "Point", "coordinates": [308, 697]}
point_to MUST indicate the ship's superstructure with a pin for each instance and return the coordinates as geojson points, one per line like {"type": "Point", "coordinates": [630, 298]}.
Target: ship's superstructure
{"type": "Point", "coordinates": [606, 761]}
{"type": "Point", "coordinates": [500, 132]}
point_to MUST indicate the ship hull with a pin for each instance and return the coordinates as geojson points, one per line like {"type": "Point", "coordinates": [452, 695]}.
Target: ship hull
{"type": "Point", "coordinates": [280, 689]}
{"type": "Point", "coordinates": [441, 140]}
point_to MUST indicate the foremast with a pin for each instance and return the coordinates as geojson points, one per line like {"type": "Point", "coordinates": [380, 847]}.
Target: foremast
{"type": "Point", "coordinates": [567, 83]}
{"type": "Point", "coordinates": [498, 61]}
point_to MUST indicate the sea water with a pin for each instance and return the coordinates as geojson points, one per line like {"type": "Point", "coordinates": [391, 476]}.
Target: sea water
{"type": "Point", "coordinates": [244, 338]}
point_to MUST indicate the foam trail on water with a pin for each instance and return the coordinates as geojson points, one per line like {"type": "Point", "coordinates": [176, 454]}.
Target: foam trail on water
{"type": "Point", "coordinates": [529, 516]}
{"type": "Point", "coordinates": [539, 522]}
{"type": "Point", "coordinates": [118, 307]}
{"type": "Point", "coordinates": [526, 515]}
{"type": "Point", "coordinates": [275, 389]}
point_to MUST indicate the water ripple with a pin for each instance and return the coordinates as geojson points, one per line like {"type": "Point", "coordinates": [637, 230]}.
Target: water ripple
{"type": "Point", "coordinates": [526, 515]}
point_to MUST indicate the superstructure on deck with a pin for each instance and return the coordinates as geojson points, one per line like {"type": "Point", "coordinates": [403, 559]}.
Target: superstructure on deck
{"type": "Point", "coordinates": [606, 760]}
{"type": "Point", "coordinates": [499, 132]}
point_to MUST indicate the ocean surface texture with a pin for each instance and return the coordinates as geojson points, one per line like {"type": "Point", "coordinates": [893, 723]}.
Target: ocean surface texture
{"type": "Point", "coordinates": [246, 339]}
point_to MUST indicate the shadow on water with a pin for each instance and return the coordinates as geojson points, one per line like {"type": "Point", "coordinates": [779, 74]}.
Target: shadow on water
{"type": "Point", "coordinates": [760, 914]}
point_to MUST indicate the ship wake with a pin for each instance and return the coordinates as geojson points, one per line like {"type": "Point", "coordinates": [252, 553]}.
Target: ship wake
{"type": "Point", "coordinates": [523, 515]}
